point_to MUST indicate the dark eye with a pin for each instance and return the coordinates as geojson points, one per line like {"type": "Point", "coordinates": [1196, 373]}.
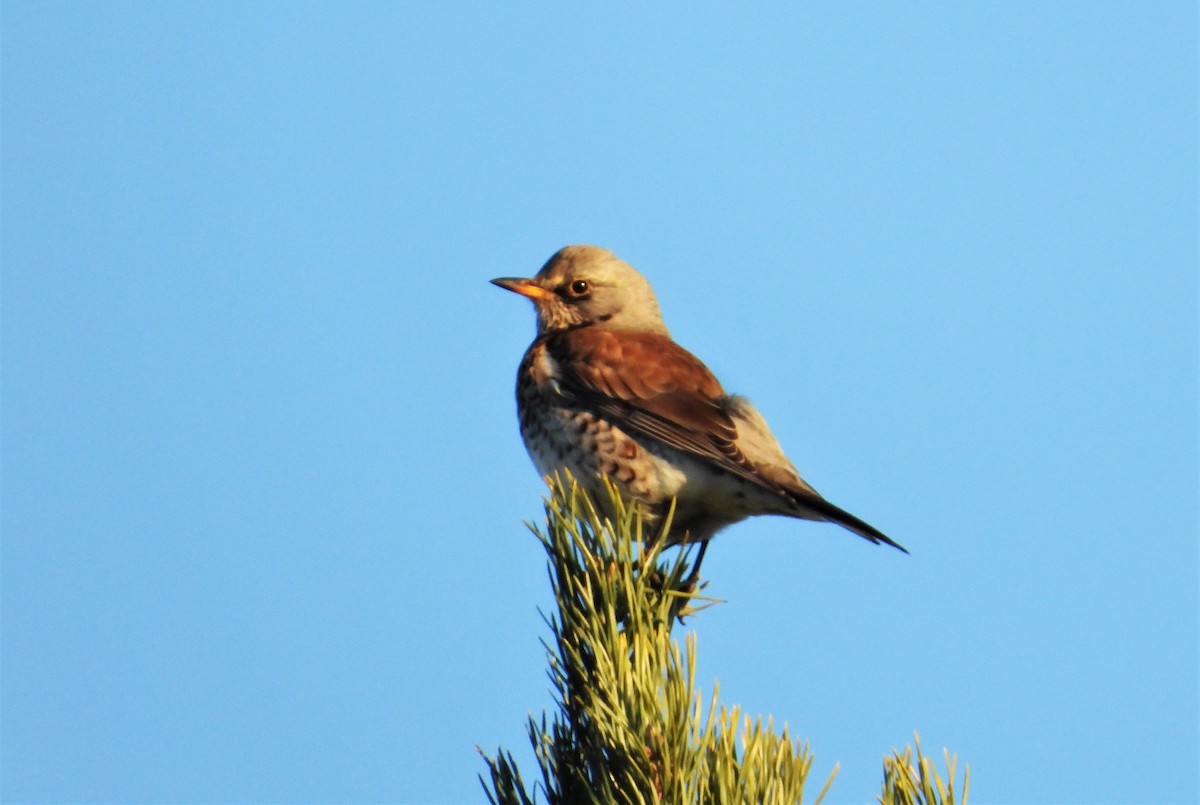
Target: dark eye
{"type": "Point", "coordinates": [580, 288]}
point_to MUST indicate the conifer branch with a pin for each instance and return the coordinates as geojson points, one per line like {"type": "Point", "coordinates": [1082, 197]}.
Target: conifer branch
{"type": "Point", "coordinates": [630, 724]}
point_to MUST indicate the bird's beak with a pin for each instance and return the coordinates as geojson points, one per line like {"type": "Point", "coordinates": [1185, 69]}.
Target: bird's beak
{"type": "Point", "coordinates": [525, 287]}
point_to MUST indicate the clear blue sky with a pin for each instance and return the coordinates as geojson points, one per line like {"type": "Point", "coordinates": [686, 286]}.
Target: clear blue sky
{"type": "Point", "coordinates": [262, 486]}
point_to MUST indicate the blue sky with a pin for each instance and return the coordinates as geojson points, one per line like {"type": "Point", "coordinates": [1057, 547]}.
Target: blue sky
{"type": "Point", "coordinates": [262, 487]}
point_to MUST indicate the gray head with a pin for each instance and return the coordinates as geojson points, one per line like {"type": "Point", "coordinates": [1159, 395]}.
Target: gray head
{"type": "Point", "coordinates": [587, 285]}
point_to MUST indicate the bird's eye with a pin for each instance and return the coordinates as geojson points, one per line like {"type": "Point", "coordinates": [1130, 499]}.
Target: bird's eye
{"type": "Point", "coordinates": [580, 287]}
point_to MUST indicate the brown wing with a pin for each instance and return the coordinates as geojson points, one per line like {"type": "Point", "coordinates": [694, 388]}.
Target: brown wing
{"type": "Point", "coordinates": [649, 385]}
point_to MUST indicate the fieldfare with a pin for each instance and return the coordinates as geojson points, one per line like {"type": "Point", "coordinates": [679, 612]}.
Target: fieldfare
{"type": "Point", "coordinates": [604, 391]}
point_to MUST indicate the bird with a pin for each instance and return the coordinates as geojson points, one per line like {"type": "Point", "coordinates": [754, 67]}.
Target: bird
{"type": "Point", "coordinates": [604, 392]}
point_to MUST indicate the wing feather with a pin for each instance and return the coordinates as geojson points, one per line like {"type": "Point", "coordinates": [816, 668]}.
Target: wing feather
{"type": "Point", "coordinates": [650, 386]}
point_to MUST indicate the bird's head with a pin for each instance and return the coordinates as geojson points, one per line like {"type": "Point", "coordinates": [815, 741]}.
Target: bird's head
{"type": "Point", "coordinates": [587, 285]}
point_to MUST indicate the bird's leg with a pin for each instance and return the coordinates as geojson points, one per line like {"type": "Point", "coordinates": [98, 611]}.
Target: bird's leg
{"type": "Point", "coordinates": [694, 577]}
{"type": "Point", "coordinates": [689, 587]}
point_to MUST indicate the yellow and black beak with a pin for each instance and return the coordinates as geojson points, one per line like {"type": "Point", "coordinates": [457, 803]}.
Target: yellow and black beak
{"type": "Point", "coordinates": [525, 287]}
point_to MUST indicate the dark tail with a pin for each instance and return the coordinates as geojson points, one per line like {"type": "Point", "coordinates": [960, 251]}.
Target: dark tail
{"type": "Point", "coordinates": [845, 519]}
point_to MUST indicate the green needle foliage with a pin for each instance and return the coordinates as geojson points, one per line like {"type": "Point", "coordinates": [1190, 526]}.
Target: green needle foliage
{"type": "Point", "coordinates": [909, 783]}
{"type": "Point", "coordinates": [630, 725]}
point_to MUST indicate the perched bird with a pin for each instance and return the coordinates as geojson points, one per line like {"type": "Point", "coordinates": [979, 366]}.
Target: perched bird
{"type": "Point", "coordinates": [604, 391]}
